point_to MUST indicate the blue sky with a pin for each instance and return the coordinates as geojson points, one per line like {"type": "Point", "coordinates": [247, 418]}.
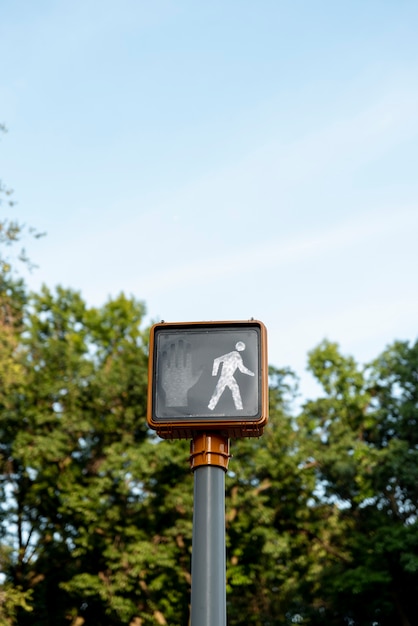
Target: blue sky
{"type": "Point", "coordinates": [222, 160]}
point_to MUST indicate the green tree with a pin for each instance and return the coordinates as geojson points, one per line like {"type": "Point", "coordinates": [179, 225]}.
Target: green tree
{"type": "Point", "coordinates": [12, 300]}
{"type": "Point", "coordinates": [97, 520]}
{"type": "Point", "coordinates": [362, 446]}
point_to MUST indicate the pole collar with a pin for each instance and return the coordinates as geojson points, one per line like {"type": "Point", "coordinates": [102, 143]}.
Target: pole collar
{"type": "Point", "coordinates": [209, 448]}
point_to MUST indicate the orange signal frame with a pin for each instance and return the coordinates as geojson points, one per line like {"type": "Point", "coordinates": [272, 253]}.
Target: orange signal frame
{"type": "Point", "coordinates": [189, 427]}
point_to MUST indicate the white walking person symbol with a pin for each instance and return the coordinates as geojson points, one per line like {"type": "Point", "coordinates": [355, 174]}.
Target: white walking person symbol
{"type": "Point", "coordinates": [230, 363]}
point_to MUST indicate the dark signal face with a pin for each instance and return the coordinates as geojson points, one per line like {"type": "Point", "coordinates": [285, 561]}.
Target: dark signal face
{"type": "Point", "coordinates": [208, 376]}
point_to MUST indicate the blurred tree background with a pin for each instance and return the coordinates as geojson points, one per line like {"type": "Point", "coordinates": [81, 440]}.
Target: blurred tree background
{"type": "Point", "coordinates": [96, 513]}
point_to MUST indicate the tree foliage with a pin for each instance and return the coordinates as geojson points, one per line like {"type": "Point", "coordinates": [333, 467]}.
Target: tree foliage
{"type": "Point", "coordinates": [12, 231]}
{"type": "Point", "coordinates": [97, 514]}
{"type": "Point", "coordinates": [363, 447]}
{"type": "Point", "coordinates": [79, 466]}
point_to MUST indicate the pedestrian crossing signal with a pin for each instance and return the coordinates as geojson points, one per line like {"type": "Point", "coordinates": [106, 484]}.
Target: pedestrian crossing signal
{"type": "Point", "coordinates": [208, 376]}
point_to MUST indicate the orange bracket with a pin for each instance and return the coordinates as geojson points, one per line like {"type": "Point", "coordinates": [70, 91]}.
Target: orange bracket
{"type": "Point", "coordinates": [209, 449]}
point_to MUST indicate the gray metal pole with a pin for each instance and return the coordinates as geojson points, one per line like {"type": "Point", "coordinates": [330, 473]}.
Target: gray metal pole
{"type": "Point", "coordinates": [208, 597]}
